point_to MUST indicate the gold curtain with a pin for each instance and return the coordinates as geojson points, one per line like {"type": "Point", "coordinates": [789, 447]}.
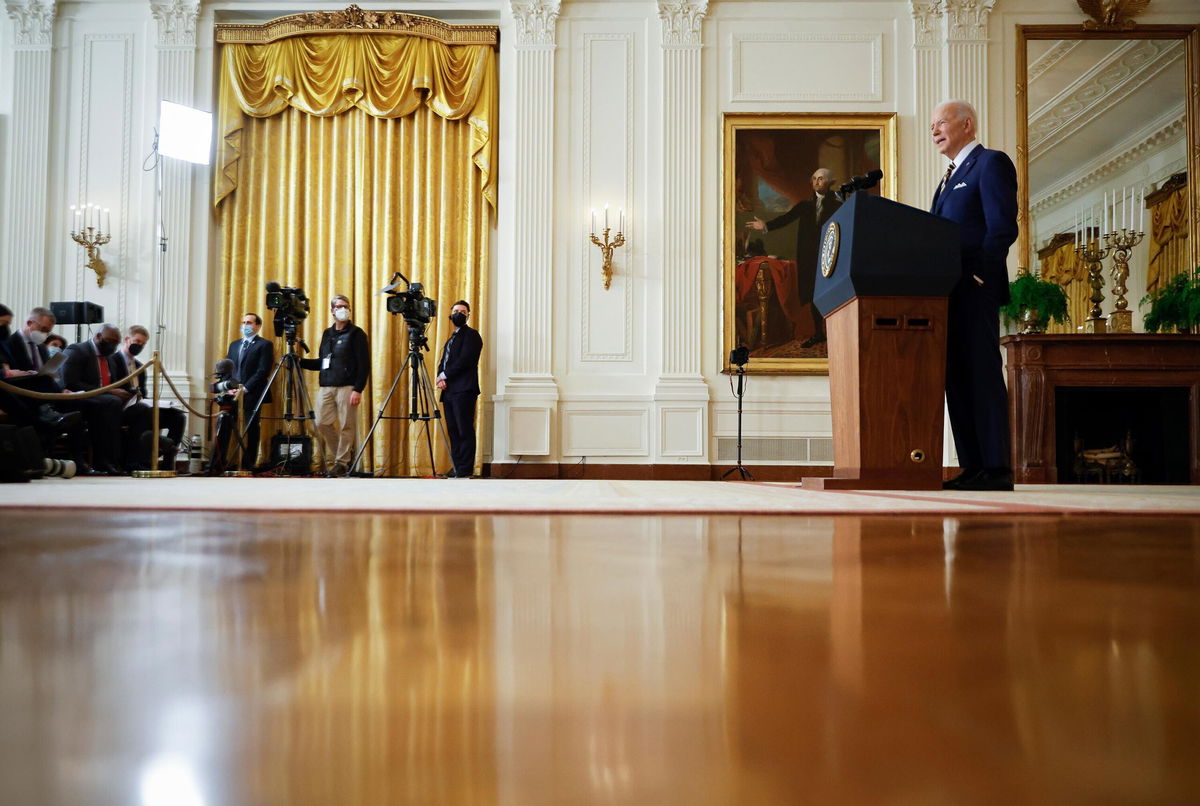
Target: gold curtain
{"type": "Point", "coordinates": [336, 171]}
{"type": "Point", "coordinates": [1168, 233]}
{"type": "Point", "coordinates": [1061, 265]}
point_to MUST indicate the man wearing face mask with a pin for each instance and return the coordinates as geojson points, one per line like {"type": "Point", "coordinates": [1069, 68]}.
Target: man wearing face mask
{"type": "Point", "coordinates": [458, 378]}
{"type": "Point", "coordinates": [252, 357]}
{"type": "Point", "coordinates": [137, 418]}
{"type": "Point", "coordinates": [344, 361]}
{"type": "Point", "coordinates": [87, 368]}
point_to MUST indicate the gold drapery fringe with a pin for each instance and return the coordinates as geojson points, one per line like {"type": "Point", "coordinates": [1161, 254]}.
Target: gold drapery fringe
{"type": "Point", "coordinates": [1168, 232]}
{"type": "Point", "coordinates": [1061, 265]}
{"type": "Point", "coordinates": [327, 195]}
{"type": "Point", "coordinates": [385, 74]}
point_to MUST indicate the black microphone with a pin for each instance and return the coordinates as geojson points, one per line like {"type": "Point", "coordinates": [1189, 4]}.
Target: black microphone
{"type": "Point", "coordinates": [869, 181]}
{"type": "Point", "coordinates": [846, 189]}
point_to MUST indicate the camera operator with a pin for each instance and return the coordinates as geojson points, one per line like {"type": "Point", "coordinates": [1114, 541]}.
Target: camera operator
{"type": "Point", "coordinates": [225, 391]}
{"type": "Point", "coordinates": [344, 361]}
{"type": "Point", "coordinates": [252, 357]}
{"type": "Point", "coordinates": [458, 378]}
{"type": "Point", "coordinates": [138, 416]}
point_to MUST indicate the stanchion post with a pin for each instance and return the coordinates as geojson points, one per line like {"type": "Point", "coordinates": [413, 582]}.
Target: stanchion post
{"type": "Point", "coordinates": [154, 472]}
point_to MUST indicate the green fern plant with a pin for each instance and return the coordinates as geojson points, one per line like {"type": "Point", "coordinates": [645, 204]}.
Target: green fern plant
{"type": "Point", "coordinates": [1030, 293]}
{"type": "Point", "coordinates": [1175, 304]}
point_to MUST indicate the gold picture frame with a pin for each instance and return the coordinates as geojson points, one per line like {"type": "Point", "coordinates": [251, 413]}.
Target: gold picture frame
{"type": "Point", "coordinates": [768, 163]}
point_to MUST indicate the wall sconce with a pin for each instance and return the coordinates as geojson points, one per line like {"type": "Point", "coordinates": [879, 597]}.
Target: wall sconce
{"type": "Point", "coordinates": [607, 246]}
{"type": "Point", "coordinates": [88, 233]}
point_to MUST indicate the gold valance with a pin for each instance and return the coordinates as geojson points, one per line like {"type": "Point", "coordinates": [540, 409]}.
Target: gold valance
{"type": "Point", "coordinates": [385, 74]}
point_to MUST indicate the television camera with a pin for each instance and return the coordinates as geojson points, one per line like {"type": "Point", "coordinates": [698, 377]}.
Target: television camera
{"type": "Point", "coordinates": [290, 306]}
{"type": "Point", "coordinates": [417, 309]}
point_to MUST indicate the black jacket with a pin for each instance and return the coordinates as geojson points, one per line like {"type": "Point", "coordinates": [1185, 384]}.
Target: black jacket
{"type": "Point", "coordinates": [461, 366]}
{"type": "Point", "coordinates": [254, 368]}
{"type": "Point", "coordinates": [81, 372]}
{"type": "Point", "coordinates": [349, 354]}
{"type": "Point", "coordinates": [119, 367]}
{"type": "Point", "coordinates": [17, 354]}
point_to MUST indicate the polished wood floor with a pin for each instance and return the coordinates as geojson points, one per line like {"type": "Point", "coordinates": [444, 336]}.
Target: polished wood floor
{"type": "Point", "coordinates": [196, 658]}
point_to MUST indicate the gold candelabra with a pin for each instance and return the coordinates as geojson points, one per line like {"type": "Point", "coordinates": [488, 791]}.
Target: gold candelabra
{"type": "Point", "coordinates": [1121, 243]}
{"type": "Point", "coordinates": [88, 233]}
{"type": "Point", "coordinates": [607, 246]}
{"type": "Point", "coordinates": [1092, 253]}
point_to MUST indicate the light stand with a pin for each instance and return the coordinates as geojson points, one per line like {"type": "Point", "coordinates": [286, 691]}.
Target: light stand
{"type": "Point", "coordinates": [185, 134]}
{"type": "Point", "coordinates": [739, 357]}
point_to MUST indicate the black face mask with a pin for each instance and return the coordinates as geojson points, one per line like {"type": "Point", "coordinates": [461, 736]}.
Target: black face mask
{"type": "Point", "coordinates": [106, 347]}
{"type": "Point", "coordinates": [134, 349]}
{"type": "Point", "coordinates": [4, 332]}
{"type": "Point", "coordinates": [458, 319]}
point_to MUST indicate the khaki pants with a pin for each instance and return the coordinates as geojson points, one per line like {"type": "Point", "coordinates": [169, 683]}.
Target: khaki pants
{"type": "Point", "coordinates": [333, 407]}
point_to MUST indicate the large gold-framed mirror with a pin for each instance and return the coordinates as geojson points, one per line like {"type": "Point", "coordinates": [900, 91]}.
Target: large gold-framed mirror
{"type": "Point", "coordinates": [1108, 112]}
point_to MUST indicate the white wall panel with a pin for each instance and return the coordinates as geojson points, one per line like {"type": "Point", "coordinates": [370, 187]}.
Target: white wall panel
{"type": "Point", "coordinates": [529, 429]}
{"type": "Point", "coordinates": [604, 430]}
{"type": "Point", "coordinates": [843, 66]}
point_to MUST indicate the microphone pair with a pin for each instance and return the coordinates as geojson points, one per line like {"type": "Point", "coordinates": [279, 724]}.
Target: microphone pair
{"type": "Point", "coordinates": [861, 182]}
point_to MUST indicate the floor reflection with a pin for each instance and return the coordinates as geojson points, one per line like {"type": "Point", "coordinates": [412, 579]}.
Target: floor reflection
{"type": "Point", "coordinates": [282, 658]}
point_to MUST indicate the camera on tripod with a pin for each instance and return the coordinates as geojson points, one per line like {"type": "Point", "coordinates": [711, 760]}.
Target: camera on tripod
{"type": "Point", "coordinates": [224, 387]}
{"type": "Point", "coordinates": [417, 309]}
{"type": "Point", "coordinates": [290, 306]}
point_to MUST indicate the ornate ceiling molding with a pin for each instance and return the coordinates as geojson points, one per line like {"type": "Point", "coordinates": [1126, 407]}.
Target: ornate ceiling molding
{"type": "Point", "coordinates": [35, 21]}
{"type": "Point", "coordinates": [1127, 69]}
{"type": "Point", "coordinates": [682, 20]}
{"type": "Point", "coordinates": [176, 22]}
{"type": "Point", "coordinates": [1156, 135]}
{"type": "Point", "coordinates": [927, 22]}
{"type": "Point", "coordinates": [1057, 52]}
{"type": "Point", "coordinates": [967, 20]}
{"type": "Point", "coordinates": [354, 20]}
{"type": "Point", "coordinates": [536, 20]}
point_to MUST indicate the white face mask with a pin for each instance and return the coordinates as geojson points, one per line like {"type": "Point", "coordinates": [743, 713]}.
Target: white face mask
{"type": "Point", "coordinates": [37, 336]}
{"type": "Point", "coordinates": [341, 314]}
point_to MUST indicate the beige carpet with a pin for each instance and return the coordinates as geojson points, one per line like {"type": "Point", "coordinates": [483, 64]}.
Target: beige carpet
{"type": "Point", "coordinates": [492, 495]}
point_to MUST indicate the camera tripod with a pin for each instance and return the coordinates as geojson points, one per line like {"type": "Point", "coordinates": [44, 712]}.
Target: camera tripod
{"type": "Point", "coordinates": [294, 387]}
{"type": "Point", "coordinates": [422, 406]}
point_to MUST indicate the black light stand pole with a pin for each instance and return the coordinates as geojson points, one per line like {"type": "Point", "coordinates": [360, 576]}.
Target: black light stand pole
{"type": "Point", "coordinates": [739, 468]}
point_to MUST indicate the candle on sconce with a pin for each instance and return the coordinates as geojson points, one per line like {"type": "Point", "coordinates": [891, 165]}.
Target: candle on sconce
{"type": "Point", "coordinates": [1142, 211]}
{"type": "Point", "coordinates": [606, 216]}
{"type": "Point", "coordinates": [621, 217]}
{"type": "Point", "coordinates": [107, 221]}
{"type": "Point", "coordinates": [593, 220]}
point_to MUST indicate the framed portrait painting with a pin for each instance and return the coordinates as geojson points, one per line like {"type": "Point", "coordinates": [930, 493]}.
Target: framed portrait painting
{"type": "Point", "coordinates": [782, 175]}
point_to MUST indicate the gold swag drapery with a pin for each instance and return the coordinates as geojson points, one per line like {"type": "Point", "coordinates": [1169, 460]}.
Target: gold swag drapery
{"type": "Point", "coordinates": [344, 158]}
{"type": "Point", "coordinates": [1168, 232]}
{"type": "Point", "coordinates": [1060, 264]}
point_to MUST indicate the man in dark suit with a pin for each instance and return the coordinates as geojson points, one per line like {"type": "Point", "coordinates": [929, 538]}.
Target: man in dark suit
{"type": "Point", "coordinates": [979, 192]}
{"type": "Point", "coordinates": [138, 417]}
{"type": "Point", "coordinates": [252, 357]}
{"type": "Point", "coordinates": [810, 216]}
{"type": "Point", "coordinates": [458, 378]}
{"type": "Point", "coordinates": [87, 368]}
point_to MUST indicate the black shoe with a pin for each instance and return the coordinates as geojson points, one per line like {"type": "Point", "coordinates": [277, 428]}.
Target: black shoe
{"type": "Point", "coordinates": [54, 419]}
{"type": "Point", "coordinates": [989, 479]}
{"type": "Point", "coordinates": [956, 483]}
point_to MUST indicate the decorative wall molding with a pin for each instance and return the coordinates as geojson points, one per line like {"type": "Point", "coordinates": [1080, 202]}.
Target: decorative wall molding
{"type": "Point", "coordinates": [536, 21]}
{"type": "Point", "coordinates": [1168, 129]}
{"type": "Point", "coordinates": [176, 22]}
{"type": "Point", "coordinates": [807, 92]}
{"type": "Point", "coordinates": [1055, 54]}
{"type": "Point", "coordinates": [1129, 68]}
{"type": "Point", "coordinates": [590, 271]}
{"type": "Point", "coordinates": [35, 21]}
{"type": "Point", "coordinates": [927, 23]}
{"type": "Point", "coordinates": [681, 21]}
{"type": "Point", "coordinates": [967, 20]}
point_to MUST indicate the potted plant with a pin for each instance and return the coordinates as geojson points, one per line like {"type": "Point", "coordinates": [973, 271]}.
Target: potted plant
{"type": "Point", "coordinates": [1175, 304]}
{"type": "Point", "coordinates": [1034, 302]}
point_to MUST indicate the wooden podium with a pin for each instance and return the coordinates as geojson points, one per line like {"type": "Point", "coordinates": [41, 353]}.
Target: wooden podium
{"type": "Point", "coordinates": [884, 275]}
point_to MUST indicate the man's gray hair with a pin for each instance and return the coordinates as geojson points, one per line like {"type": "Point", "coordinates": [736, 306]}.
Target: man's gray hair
{"type": "Point", "coordinates": [39, 312]}
{"type": "Point", "coordinates": [962, 110]}
{"type": "Point", "coordinates": [828, 173]}
{"type": "Point", "coordinates": [342, 297]}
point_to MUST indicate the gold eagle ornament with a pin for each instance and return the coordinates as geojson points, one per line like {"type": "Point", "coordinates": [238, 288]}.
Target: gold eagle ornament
{"type": "Point", "coordinates": [1112, 15]}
